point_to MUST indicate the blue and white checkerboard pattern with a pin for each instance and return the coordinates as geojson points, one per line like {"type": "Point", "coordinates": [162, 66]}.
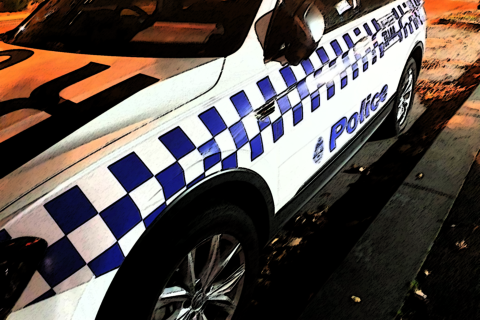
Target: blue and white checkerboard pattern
{"type": "Point", "coordinates": [93, 225]}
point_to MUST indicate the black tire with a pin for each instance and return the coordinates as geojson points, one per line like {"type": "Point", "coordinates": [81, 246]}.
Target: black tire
{"type": "Point", "coordinates": [140, 281]}
{"type": "Point", "coordinates": [392, 126]}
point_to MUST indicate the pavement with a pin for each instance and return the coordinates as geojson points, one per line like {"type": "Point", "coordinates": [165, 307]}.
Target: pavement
{"type": "Point", "coordinates": [387, 258]}
{"type": "Point", "coordinates": [450, 277]}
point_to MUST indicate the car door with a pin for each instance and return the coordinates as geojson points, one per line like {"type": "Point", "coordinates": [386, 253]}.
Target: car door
{"type": "Point", "coordinates": [350, 77]}
{"type": "Point", "coordinates": [323, 90]}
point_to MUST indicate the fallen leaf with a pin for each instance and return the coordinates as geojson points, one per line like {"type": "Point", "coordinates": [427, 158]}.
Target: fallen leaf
{"type": "Point", "coordinates": [280, 256]}
{"type": "Point", "coordinates": [294, 242]}
{"type": "Point", "coordinates": [265, 270]}
{"type": "Point", "coordinates": [271, 255]}
{"type": "Point", "coordinates": [356, 299]}
{"type": "Point", "coordinates": [421, 294]}
{"type": "Point", "coordinates": [461, 245]}
{"type": "Point", "coordinates": [419, 176]}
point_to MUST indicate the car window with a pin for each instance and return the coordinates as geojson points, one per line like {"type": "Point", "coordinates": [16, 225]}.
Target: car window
{"type": "Point", "coordinates": [372, 5]}
{"type": "Point", "coordinates": [152, 28]}
{"type": "Point", "coordinates": [338, 12]}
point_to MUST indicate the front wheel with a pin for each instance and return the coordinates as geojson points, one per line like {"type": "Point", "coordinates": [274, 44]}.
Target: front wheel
{"type": "Point", "coordinates": [200, 265]}
{"type": "Point", "coordinates": [207, 283]}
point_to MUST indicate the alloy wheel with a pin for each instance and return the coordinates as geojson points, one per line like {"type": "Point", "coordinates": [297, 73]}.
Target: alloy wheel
{"type": "Point", "coordinates": [207, 283]}
{"type": "Point", "coordinates": [405, 99]}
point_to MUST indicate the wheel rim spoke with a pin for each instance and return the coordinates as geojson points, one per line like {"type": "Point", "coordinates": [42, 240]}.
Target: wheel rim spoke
{"type": "Point", "coordinates": [212, 260]}
{"type": "Point", "coordinates": [405, 98]}
{"type": "Point", "coordinates": [170, 295]}
{"type": "Point", "coordinates": [188, 271]}
{"type": "Point", "coordinates": [184, 314]}
{"type": "Point", "coordinates": [223, 302]}
{"type": "Point", "coordinates": [228, 284]}
{"type": "Point", "coordinates": [188, 292]}
{"type": "Point", "coordinates": [222, 262]}
{"type": "Point", "coordinates": [199, 316]}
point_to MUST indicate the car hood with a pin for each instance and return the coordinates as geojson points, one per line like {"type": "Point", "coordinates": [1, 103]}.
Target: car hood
{"type": "Point", "coordinates": [57, 108]}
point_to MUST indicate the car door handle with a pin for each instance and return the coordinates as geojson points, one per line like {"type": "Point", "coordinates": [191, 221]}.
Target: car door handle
{"type": "Point", "coordinates": [265, 110]}
{"type": "Point", "coordinates": [361, 44]}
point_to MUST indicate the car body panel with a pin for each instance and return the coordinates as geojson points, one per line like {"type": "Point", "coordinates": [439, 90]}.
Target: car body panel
{"type": "Point", "coordinates": [118, 173]}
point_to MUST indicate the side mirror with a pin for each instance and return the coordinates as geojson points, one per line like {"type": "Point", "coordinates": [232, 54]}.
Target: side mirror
{"type": "Point", "coordinates": [294, 32]}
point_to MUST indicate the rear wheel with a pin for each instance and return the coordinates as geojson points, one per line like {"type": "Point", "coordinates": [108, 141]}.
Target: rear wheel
{"type": "Point", "coordinates": [397, 120]}
{"type": "Point", "coordinates": [200, 265]}
{"type": "Point", "coordinates": [404, 99]}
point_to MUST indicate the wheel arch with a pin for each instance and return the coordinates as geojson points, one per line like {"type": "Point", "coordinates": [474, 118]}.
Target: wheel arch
{"type": "Point", "coordinates": [235, 185]}
{"type": "Point", "coordinates": [242, 187]}
{"type": "Point", "coordinates": [417, 55]}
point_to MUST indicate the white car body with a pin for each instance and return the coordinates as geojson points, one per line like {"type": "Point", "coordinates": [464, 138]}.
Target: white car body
{"type": "Point", "coordinates": [142, 155]}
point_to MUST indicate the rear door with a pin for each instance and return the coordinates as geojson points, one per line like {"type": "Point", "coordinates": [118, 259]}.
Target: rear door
{"type": "Point", "coordinates": [323, 113]}
{"type": "Point", "coordinates": [350, 77]}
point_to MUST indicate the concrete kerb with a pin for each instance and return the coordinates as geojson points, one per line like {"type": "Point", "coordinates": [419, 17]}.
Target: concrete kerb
{"type": "Point", "coordinates": [389, 255]}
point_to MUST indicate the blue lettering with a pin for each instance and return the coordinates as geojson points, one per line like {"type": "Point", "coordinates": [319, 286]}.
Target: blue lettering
{"type": "Point", "coordinates": [367, 107]}
{"type": "Point", "coordinates": [375, 103]}
{"type": "Point", "coordinates": [362, 111]}
{"type": "Point", "coordinates": [384, 93]}
{"type": "Point", "coordinates": [337, 130]}
{"type": "Point", "coordinates": [350, 127]}
{"type": "Point", "coordinates": [358, 117]}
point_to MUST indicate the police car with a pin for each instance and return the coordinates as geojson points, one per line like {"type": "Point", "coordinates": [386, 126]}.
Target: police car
{"type": "Point", "coordinates": [150, 148]}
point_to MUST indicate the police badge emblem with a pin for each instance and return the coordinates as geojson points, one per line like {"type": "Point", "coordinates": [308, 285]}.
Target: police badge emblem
{"type": "Point", "coordinates": [318, 153]}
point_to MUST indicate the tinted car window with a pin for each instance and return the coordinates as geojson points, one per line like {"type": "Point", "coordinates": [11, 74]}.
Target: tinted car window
{"type": "Point", "coordinates": [372, 5]}
{"type": "Point", "coordinates": [152, 28]}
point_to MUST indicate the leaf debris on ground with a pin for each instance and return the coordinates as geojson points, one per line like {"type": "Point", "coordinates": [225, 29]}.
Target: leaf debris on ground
{"type": "Point", "coordinates": [461, 245]}
{"type": "Point", "coordinates": [419, 292]}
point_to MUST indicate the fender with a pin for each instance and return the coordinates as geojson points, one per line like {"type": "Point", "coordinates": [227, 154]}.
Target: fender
{"type": "Point", "coordinates": [148, 239]}
{"type": "Point", "coordinates": [217, 182]}
{"type": "Point", "coordinates": [417, 52]}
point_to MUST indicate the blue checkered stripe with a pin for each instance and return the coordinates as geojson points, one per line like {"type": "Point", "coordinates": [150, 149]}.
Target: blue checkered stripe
{"type": "Point", "coordinates": [222, 137]}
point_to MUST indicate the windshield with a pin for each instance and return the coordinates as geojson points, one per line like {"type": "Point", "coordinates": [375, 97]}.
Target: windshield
{"type": "Point", "coordinates": [136, 27]}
